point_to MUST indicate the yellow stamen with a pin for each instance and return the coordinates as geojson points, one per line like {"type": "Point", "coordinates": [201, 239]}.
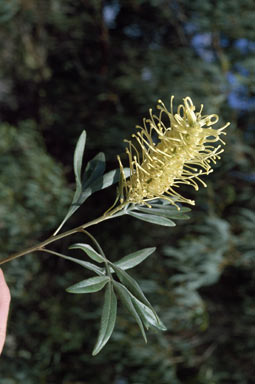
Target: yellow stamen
{"type": "Point", "coordinates": [156, 168]}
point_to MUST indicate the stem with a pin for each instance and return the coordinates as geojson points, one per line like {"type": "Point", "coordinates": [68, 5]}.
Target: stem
{"type": "Point", "coordinates": [108, 271]}
{"type": "Point", "coordinates": [52, 239]}
{"type": "Point", "coordinates": [52, 252]}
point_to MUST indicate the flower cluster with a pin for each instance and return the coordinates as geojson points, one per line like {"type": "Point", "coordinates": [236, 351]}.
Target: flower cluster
{"type": "Point", "coordinates": [170, 149]}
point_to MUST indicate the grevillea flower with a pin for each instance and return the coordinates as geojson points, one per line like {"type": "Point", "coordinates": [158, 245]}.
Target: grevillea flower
{"type": "Point", "coordinates": [170, 149]}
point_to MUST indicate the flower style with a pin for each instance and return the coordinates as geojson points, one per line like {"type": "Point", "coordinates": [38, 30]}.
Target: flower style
{"type": "Point", "coordinates": [171, 149]}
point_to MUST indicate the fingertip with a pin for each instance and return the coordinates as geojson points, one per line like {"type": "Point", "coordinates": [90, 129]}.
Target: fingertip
{"type": "Point", "coordinates": [5, 296]}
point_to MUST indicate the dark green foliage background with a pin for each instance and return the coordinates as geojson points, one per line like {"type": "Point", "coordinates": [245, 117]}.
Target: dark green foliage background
{"type": "Point", "coordinates": [99, 65]}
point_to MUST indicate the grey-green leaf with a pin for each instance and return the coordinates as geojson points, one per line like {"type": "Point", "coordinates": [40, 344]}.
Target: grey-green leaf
{"type": "Point", "coordinates": [107, 320]}
{"type": "Point", "coordinates": [165, 212]}
{"type": "Point", "coordinates": [77, 162]}
{"type": "Point", "coordinates": [148, 316]}
{"type": "Point", "coordinates": [96, 181]}
{"type": "Point", "coordinates": [94, 169]}
{"type": "Point", "coordinates": [142, 305]}
{"type": "Point", "coordinates": [159, 220]}
{"type": "Point", "coordinates": [170, 207]}
{"type": "Point", "coordinates": [85, 264]}
{"type": "Point", "coordinates": [125, 297]}
{"type": "Point", "coordinates": [93, 284]}
{"type": "Point", "coordinates": [103, 182]}
{"type": "Point", "coordinates": [135, 258]}
{"type": "Point", "coordinates": [131, 284]}
{"type": "Point", "coordinates": [94, 255]}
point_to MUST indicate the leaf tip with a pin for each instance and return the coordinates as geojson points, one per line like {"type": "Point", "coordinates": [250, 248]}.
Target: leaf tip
{"type": "Point", "coordinates": [95, 352]}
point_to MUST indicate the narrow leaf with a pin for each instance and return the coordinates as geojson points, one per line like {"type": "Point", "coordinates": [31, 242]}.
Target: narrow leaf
{"type": "Point", "coordinates": [131, 284]}
{"type": "Point", "coordinates": [177, 216]}
{"type": "Point", "coordinates": [107, 320]}
{"type": "Point", "coordinates": [148, 316]}
{"type": "Point", "coordinates": [133, 259]}
{"type": "Point", "coordinates": [102, 182]}
{"type": "Point", "coordinates": [77, 163]}
{"type": "Point", "coordinates": [170, 207]}
{"type": "Point", "coordinates": [136, 293]}
{"type": "Point", "coordinates": [93, 185]}
{"type": "Point", "coordinates": [93, 284]}
{"type": "Point", "coordinates": [168, 213]}
{"type": "Point", "coordinates": [89, 251]}
{"type": "Point", "coordinates": [94, 169]}
{"type": "Point", "coordinates": [70, 212]}
{"type": "Point", "coordinates": [159, 220]}
{"type": "Point", "coordinates": [85, 264]}
{"type": "Point", "coordinates": [125, 297]}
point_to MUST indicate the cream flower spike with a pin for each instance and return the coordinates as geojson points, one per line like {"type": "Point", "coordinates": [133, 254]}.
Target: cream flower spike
{"type": "Point", "coordinates": [171, 149]}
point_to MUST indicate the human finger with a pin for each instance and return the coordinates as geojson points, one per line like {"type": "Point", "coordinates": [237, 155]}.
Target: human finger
{"type": "Point", "coordinates": [5, 299]}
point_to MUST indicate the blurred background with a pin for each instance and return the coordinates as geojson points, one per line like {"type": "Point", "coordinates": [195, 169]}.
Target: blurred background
{"type": "Point", "coordinates": [100, 65]}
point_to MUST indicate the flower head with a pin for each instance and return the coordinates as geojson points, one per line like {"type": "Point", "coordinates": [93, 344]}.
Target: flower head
{"type": "Point", "coordinates": [170, 149]}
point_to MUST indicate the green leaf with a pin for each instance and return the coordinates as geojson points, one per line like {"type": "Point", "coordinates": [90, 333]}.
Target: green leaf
{"type": "Point", "coordinates": [103, 182]}
{"type": "Point", "coordinates": [159, 220]}
{"type": "Point", "coordinates": [94, 169]}
{"type": "Point", "coordinates": [85, 264]}
{"type": "Point", "coordinates": [177, 216]}
{"type": "Point", "coordinates": [171, 208]}
{"type": "Point", "coordinates": [131, 284]}
{"type": "Point", "coordinates": [93, 284]}
{"type": "Point", "coordinates": [89, 251]}
{"type": "Point", "coordinates": [148, 316]}
{"type": "Point", "coordinates": [133, 259]}
{"type": "Point", "coordinates": [165, 212]}
{"type": "Point", "coordinates": [107, 320]}
{"type": "Point", "coordinates": [77, 163]}
{"type": "Point", "coordinates": [125, 297]}
{"type": "Point", "coordinates": [95, 181]}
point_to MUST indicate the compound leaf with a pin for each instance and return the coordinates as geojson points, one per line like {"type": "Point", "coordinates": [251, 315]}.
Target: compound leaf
{"type": "Point", "coordinates": [85, 264]}
{"type": "Point", "coordinates": [131, 284]}
{"type": "Point", "coordinates": [94, 169]}
{"type": "Point", "coordinates": [159, 220]}
{"type": "Point", "coordinates": [107, 320]}
{"type": "Point", "coordinates": [125, 297]}
{"type": "Point", "coordinates": [148, 316]}
{"type": "Point", "coordinates": [165, 212]}
{"type": "Point", "coordinates": [93, 284]}
{"type": "Point", "coordinates": [94, 255]}
{"type": "Point", "coordinates": [77, 163]}
{"type": "Point", "coordinates": [135, 258]}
